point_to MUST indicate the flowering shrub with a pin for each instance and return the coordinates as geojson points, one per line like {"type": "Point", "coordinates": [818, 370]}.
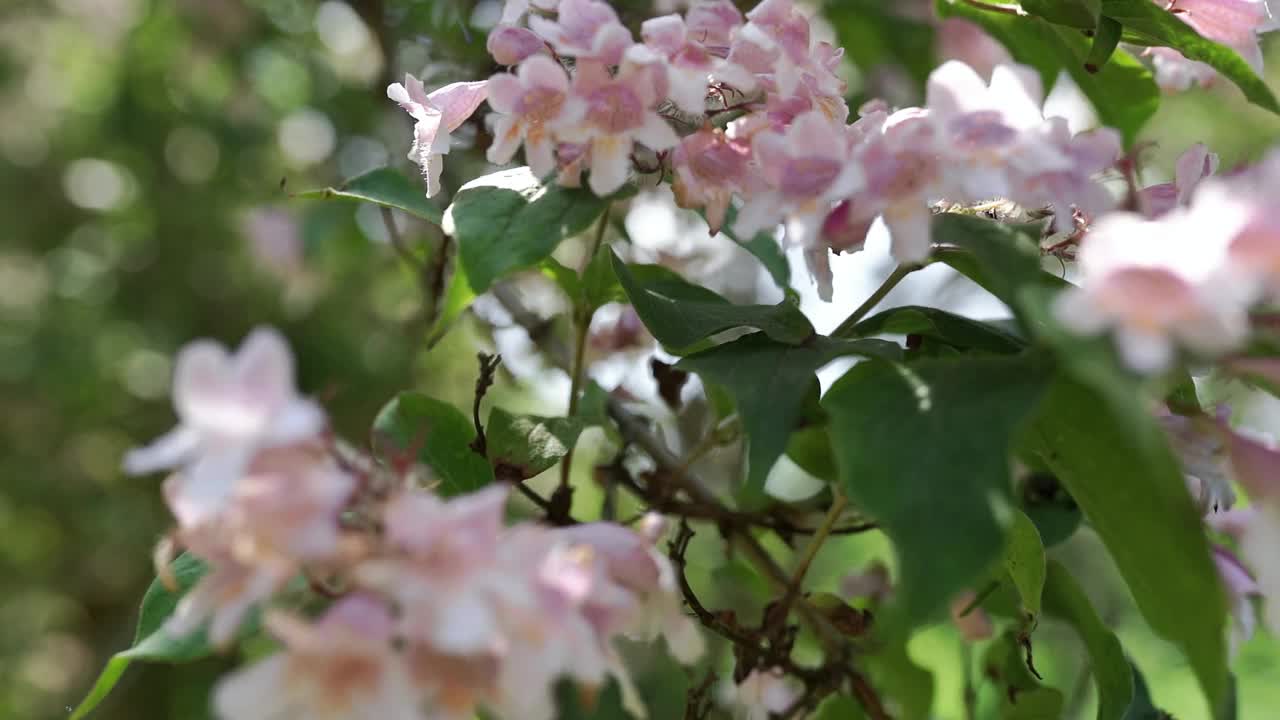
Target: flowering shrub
{"type": "Point", "coordinates": [388, 581]}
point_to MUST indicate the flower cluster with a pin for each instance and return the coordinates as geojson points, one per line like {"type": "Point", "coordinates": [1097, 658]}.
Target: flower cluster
{"type": "Point", "coordinates": [442, 608]}
{"type": "Point", "coordinates": [750, 109]}
{"type": "Point", "coordinates": [1185, 274]}
{"type": "Point", "coordinates": [1234, 23]}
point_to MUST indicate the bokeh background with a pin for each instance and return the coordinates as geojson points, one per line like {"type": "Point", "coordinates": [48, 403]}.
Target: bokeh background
{"type": "Point", "coordinates": [147, 152]}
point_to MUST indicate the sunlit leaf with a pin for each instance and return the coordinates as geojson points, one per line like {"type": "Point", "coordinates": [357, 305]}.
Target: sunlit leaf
{"type": "Point", "coordinates": [414, 427]}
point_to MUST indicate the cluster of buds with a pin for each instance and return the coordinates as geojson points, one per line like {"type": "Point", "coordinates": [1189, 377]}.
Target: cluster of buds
{"type": "Point", "coordinates": [1185, 273]}
{"type": "Point", "coordinates": [1234, 23]}
{"type": "Point", "coordinates": [439, 607]}
{"type": "Point", "coordinates": [769, 126]}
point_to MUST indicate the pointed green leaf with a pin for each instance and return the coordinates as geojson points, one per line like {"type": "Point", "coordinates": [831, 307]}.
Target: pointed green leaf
{"type": "Point", "coordinates": [1081, 14]}
{"type": "Point", "coordinates": [1065, 599]}
{"type": "Point", "coordinates": [769, 381]}
{"type": "Point", "coordinates": [907, 687]}
{"type": "Point", "coordinates": [681, 315]}
{"type": "Point", "coordinates": [764, 246]}
{"type": "Point", "coordinates": [510, 220]}
{"type": "Point", "coordinates": [1025, 562]}
{"type": "Point", "coordinates": [1022, 697]}
{"type": "Point", "coordinates": [416, 427]}
{"type": "Point", "coordinates": [925, 450]}
{"type": "Point", "coordinates": [150, 643]}
{"type": "Point", "coordinates": [521, 446]}
{"type": "Point", "coordinates": [954, 330]}
{"type": "Point", "coordinates": [1162, 27]}
{"type": "Point", "coordinates": [387, 187]}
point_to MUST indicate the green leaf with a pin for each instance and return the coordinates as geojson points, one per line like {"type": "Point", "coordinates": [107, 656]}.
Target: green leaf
{"type": "Point", "coordinates": [1123, 91]}
{"type": "Point", "coordinates": [1162, 27]}
{"type": "Point", "coordinates": [1052, 509]}
{"type": "Point", "coordinates": [457, 299]}
{"type": "Point", "coordinates": [438, 435]}
{"type": "Point", "coordinates": [925, 450]}
{"type": "Point", "coordinates": [810, 449]}
{"type": "Point", "coordinates": [1118, 467]}
{"type": "Point", "coordinates": [907, 684]}
{"type": "Point", "coordinates": [522, 446]}
{"type": "Point", "coordinates": [1065, 599]}
{"type": "Point", "coordinates": [764, 246]}
{"type": "Point", "coordinates": [1024, 561]}
{"type": "Point", "coordinates": [1081, 14]}
{"type": "Point", "coordinates": [150, 643]}
{"type": "Point", "coordinates": [387, 187]}
{"type": "Point", "coordinates": [1105, 41]}
{"type": "Point", "coordinates": [510, 221]}
{"type": "Point", "coordinates": [875, 33]}
{"type": "Point", "coordinates": [565, 278]}
{"type": "Point", "coordinates": [769, 382]}
{"type": "Point", "coordinates": [1022, 697]}
{"type": "Point", "coordinates": [600, 284]}
{"type": "Point", "coordinates": [680, 314]}
{"type": "Point", "coordinates": [838, 707]}
{"type": "Point", "coordinates": [954, 330]}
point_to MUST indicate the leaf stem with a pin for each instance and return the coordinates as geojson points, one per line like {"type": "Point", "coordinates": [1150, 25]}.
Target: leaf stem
{"type": "Point", "coordinates": [582, 323]}
{"type": "Point", "coordinates": [846, 328]}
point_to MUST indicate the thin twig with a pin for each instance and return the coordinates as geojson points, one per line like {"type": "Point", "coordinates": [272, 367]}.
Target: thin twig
{"type": "Point", "coordinates": [811, 551]}
{"type": "Point", "coordinates": [899, 273]}
{"type": "Point", "coordinates": [488, 368]}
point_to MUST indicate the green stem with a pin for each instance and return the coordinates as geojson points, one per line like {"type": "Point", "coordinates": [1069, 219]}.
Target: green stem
{"type": "Point", "coordinates": [900, 272]}
{"type": "Point", "coordinates": [582, 327]}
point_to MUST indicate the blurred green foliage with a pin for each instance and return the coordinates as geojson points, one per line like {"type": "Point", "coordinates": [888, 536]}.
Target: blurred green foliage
{"type": "Point", "coordinates": [147, 151]}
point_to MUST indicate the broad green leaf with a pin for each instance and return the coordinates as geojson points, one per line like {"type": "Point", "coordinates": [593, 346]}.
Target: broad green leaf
{"type": "Point", "coordinates": [510, 221]}
{"type": "Point", "coordinates": [387, 187]}
{"type": "Point", "coordinates": [1065, 599]}
{"type": "Point", "coordinates": [810, 449]}
{"type": "Point", "coordinates": [414, 426]}
{"type": "Point", "coordinates": [521, 446]}
{"type": "Point", "coordinates": [1118, 467]}
{"type": "Point", "coordinates": [150, 643]}
{"type": "Point", "coordinates": [600, 284]}
{"type": "Point", "coordinates": [1123, 92]}
{"type": "Point", "coordinates": [1105, 41]}
{"type": "Point", "coordinates": [925, 450]}
{"type": "Point", "coordinates": [764, 246]}
{"type": "Point", "coordinates": [1049, 505]}
{"type": "Point", "coordinates": [680, 314]}
{"type": "Point", "coordinates": [954, 330]}
{"type": "Point", "coordinates": [1142, 707]}
{"type": "Point", "coordinates": [906, 686]}
{"type": "Point", "coordinates": [875, 33]}
{"type": "Point", "coordinates": [769, 382]}
{"type": "Point", "coordinates": [1000, 257]}
{"type": "Point", "coordinates": [1162, 27]}
{"type": "Point", "coordinates": [565, 278]}
{"type": "Point", "coordinates": [1022, 697]}
{"type": "Point", "coordinates": [1024, 561]}
{"type": "Point", "coordinates": [1081, 14]}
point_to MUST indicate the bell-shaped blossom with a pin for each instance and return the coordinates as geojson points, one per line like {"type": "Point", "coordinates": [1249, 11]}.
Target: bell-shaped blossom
{"type": "Point", "coordinates": [342, 667]}
{"type": "Point", "coordinates": [631, 560]}
{"type": "Point", "coordinates": [689, 64]}
{"type": "Point", "coordinates": [585, 29]}
{"type": "Point", "coordinates": [1253, 257]}
{"type": "Point", "coordinates": [282, 514]}
{"type": "Point", "coordinates": [609, 114]}
{"type": "Point", "coordinates": [511, 44]}
{"type": "Point", "coordinates": [760, 695]}
{"type": "Point", "coordinates": [1039, 180]}
{"type": "Point", "coordinates": [1193, 166]}
{"type": "Point", "coordinates": [527, 106]}
{"type": "Point", "coordinates": [437, 114]}
{"type": "Point", "coordinates": [712, 23]}
{"type": "Point", "coordinates": [709, 168]}
{"type": "Point", "coordinates": [781, 30]}
{"type": "Point", "coordinates": [1202, 448]}
{"type": "Point", "coordinates": [807, 170]}
{"type": "Point", "coordinates": [229, 407]}
{"type": "Point", "coordinates": [960, 39]}
{"type": "Point", "coordinates": [514, 11]}
{"type": "Point", "coordinates": [1155, 283]}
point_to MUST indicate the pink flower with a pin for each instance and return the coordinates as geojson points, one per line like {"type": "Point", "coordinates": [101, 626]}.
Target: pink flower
{"type": "Point", "coordinates": [900, 159]}
{"type": "Point", "coordinates": [229, 407]}
{"type": "Point", "coordinates": [709, 168]}
{"type": "Point", "coordinates": [690, 65]}
{"type": "Point", "coordinates": [1157, 284]}
{"type": "Point", "coordinates": [527, 105]}
{"type": "Point", "coordinates": [1241, 589]}
{"type": "Point", "coordinates": [585, 29]}
{"type": "Point", "coordinates": [807, 170]}
{"type": "Point", "coordinates": [509, 44]}
{"type": "Point", "coordinates": [712, 23]}
{"type": "Point", "coordinates": [1193, 166]}
{"type": "Point", "coordinates": [611, 114]}
{"type": "Point", "coordinates": [1037, 179]}
{"type": "Point", "coordinates": [1234, 23]}
{"type": "Point", "coordinates": [959, 39]}
{"type": "Point", "coordinates": [437, 115]}
{"type": "Point", "coordinates": [343, 666]}
{"type": "Point", "coordinates": [1253, 257]}
{"type": "Point", "coordinates": [760, 695]}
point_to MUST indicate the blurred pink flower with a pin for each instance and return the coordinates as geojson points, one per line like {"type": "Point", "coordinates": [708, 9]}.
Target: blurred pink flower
{"type": "Point", "coordinates": [229, 407]}
{"type": "Point", "coordinates": [527, 105]}
{"type": "Point", "coordinates": [585, 29]}
{"type": "Point", "coordinates": [1193, 166]}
